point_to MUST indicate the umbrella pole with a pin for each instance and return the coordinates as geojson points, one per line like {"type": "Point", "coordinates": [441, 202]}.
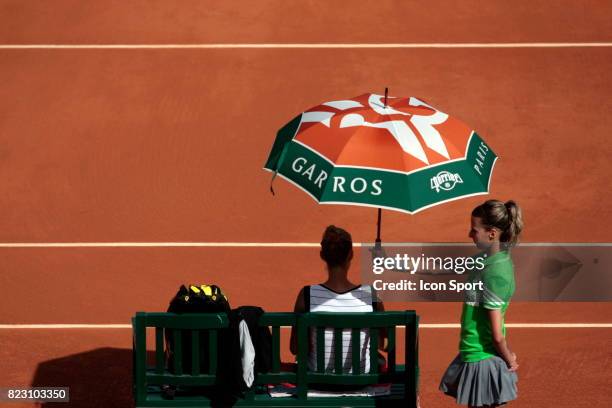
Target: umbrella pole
{"type": "Point", "coordinates": [378, 242]}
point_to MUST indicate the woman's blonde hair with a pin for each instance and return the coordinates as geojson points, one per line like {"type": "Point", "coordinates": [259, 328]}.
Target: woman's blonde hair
{"type": "Point", "coordinates": [507, 217]}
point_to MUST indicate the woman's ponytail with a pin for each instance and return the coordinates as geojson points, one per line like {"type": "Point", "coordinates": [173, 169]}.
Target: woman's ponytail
{"type": "Point", "coordinates": [515, 224]}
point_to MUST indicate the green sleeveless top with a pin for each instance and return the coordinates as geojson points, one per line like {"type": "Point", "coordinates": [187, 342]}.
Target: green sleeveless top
{"type": "Point", "coordinates": [498, 281]}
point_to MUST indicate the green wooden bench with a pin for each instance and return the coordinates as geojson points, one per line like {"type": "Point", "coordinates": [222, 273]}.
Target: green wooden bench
{"type": "Point", "coordinates": [403, 377]}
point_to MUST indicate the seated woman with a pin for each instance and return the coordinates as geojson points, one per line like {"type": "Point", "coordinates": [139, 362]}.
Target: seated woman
{"type": "Point", "coordinates": [337, 294]}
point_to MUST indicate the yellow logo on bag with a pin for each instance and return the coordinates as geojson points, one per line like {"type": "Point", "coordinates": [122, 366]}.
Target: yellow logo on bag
{"type": "Point", "coordinates": [207, 290]}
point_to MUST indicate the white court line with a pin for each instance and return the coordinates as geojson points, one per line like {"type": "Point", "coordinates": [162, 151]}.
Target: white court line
{"type": "Point", "coordinates": [526, 325]}
{"type": "Point", "coordinates": [304, 46]}
{"type": "Point", "coordinates": [160, 244]}
{"type": "Point", "coordinates": [422, 326]}
{"type": "Point", "coordinates": [64, 326]}
{"type": "Point", "coordinates": [262, 244]}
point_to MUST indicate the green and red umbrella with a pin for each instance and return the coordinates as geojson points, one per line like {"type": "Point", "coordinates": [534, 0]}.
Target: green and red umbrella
{"type": "Point", "coordinates": [376, 151]}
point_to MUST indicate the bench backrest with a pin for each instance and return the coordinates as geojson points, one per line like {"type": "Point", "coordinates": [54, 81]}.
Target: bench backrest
{"type": "Point", "coordinates": [199, 325]}
{"type": "Point", "coordinates": [374, 322]}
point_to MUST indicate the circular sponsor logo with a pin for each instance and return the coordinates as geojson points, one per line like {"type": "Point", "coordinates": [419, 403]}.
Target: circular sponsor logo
{"type": "Point", "coordinates": [445, 180]}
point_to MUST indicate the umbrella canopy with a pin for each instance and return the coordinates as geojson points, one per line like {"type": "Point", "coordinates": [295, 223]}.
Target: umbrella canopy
{"type": "Point", "coordinates": [397, 153]}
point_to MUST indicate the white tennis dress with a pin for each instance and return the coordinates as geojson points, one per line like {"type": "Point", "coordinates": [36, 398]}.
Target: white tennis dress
{"type": "Point", "coordinates": [323, 299]}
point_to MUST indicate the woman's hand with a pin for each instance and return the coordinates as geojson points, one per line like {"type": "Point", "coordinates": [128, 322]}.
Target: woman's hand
{"type": "Point", "coordinates": [512, 364]}
{"type": "Point", "coordinates": [499, 340]}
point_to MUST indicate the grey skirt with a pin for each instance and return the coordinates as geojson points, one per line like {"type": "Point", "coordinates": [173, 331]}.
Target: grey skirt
{"type": "Point", "coordinates": [485, 382]}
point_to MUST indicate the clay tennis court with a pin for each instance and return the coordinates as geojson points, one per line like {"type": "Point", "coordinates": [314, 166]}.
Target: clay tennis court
{"type": "Point", "coordinates": [132, 140]}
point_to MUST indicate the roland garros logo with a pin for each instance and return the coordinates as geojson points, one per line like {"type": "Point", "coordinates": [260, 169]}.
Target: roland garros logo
{"type": "Point", "coordinates": [445, 181]}
{"type": "Point", "coordinates": [398, 128]}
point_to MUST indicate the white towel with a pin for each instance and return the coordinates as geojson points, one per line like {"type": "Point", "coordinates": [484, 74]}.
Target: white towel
{"type": "Point", "coordinates": [247, 353]}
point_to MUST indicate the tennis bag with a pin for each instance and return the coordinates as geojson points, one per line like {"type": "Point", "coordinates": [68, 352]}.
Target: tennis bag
{"type": "Point", "coordinates": [194, 299]}
{"type": "Point", "coordinates": [210, 299]}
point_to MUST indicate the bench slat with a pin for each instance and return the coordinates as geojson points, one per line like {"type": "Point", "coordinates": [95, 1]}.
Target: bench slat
{"type": "Point", "coordinates": [344, 379]}
{"type": "Point", "coordinates": [178, 351]}
{"type": "Point", "coordinates": [276, 378]}
{"type": "Point", "coordinates": [140, 354]}
{"type": "Point", "coordinates": [161, 379]}
{"type": "Point", "coordinates": [391, 351]}
{"type": "Point", "coordinates": [302, 369]}
{"type": "Point", "coordinates": [356, 350]}
{"type": "Point", "coordinates": [212, 351]}
{"type": "Point", "coordinates": [159, 350]}
{"type": "Point", "coordinates": [412, 369]}
{"type": "Point", "coordinates": [187, 321]}
{"type": "Point", "coordinates": [355, 320]}
{"type": "Point", "coordinates": [374, 333]}
{"type": "Point", "coordinates": [275, 349]}
{"type": "Point", "coordinates": [320, 349]}
{"type": "Point", "coordinates": [338, 351]}
{"type": "Point", "coordinates": [277, 319]}
{"type": "Point", "coordinates": [195, 352]}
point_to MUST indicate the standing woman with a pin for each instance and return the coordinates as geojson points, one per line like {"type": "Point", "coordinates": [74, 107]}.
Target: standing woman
{"type": "Point", "coordinates": [484, 372]}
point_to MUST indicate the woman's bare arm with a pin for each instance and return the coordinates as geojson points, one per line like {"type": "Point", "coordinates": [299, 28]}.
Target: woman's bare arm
{"type": "Point", "coordinates": [300, 307]}
{"type": "Point", "coordinates": [383, 337]}
{"type": "Point", "coordinates": [499, 341]}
